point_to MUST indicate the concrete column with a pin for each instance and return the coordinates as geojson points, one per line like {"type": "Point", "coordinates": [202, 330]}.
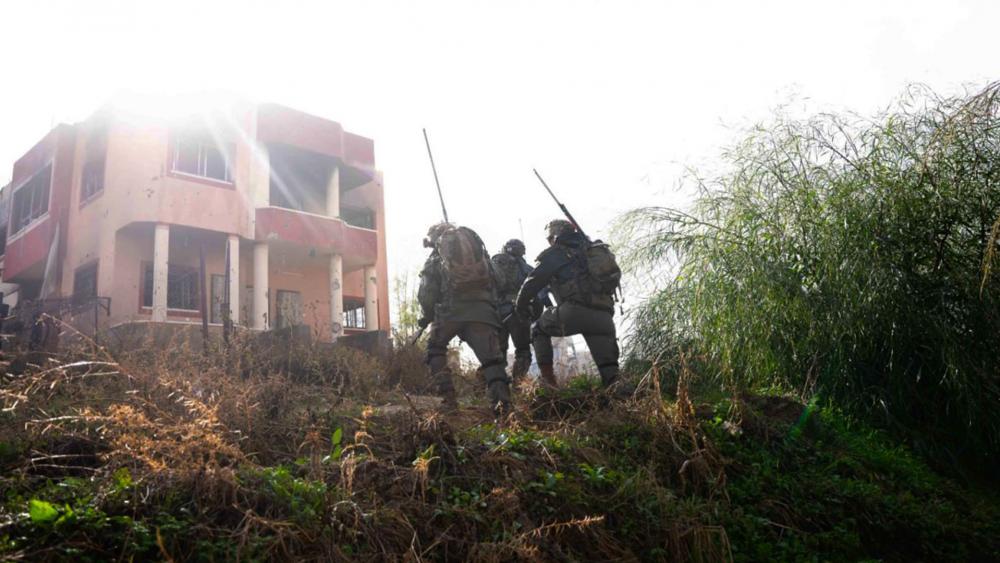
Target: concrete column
{"type": "Point", "coordinates": [371, 299]}
{"type": "Point", "coordinates": [161, 251]}
{"type": "Point", "coordinates": [260, 305]}
{"type": "Point", "coordinates": [260, 175]}
{"type": "Point", "coordinates": [333, 194]}
{"type": "Point", "coordinates": [337, 295]}
{"type": "Point", "coordinates": [233, 246]}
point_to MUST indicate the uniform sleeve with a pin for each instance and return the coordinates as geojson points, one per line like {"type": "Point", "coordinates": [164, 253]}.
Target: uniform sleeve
{"type": "Point", "coordinates": [546, 266]}
{"type": "Point", "coordinates": [429, 293]}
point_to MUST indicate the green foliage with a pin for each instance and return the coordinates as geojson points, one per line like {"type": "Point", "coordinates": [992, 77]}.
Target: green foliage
{"type": "Point", "coordinates": [408, 313]}
{"type": "Point", "coordinates": [42, 512]}
{"type": "Point", "coordinates": [841, 488]}
{"type": "Point", "coordinates": [302, 500]}
{"type": "Point", "coordinates": [335, 439]}
{"type": "Point", "coordinates": [846, 257]}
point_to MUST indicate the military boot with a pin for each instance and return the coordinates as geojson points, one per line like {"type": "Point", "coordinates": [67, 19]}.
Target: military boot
{"type": "Point", "coordinates": [520, 368]}
{"type": "Point", "coordinates": [614, 386]}
{"type": "Point", "coordinates": [548, 377]}
{"type": "Point", "coordinates": [446, 390]}
{"type": "Point", "coordinates": [498, 395]}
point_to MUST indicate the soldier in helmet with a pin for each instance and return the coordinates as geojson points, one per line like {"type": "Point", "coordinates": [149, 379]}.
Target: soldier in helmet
{"type": "Point", "coordinates": [583, 307]}
{"type": "Point", "coordinates": [457, 294]}
{"type": "Point", "coordinates": [511, 271]}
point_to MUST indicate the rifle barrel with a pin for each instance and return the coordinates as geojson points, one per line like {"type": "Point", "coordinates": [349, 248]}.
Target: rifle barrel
{"type": "Point", "coordinates": [436, 182]}
{"type": "Point", "coordinates": [559, 203]}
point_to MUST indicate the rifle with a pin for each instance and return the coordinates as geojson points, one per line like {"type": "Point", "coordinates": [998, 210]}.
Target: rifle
{"type": "Point", "coordinates": [436, 182]}
{"type": "Point", "coordinates": [560, 204]}
{"type": "Point", "coordinates": [416, 336]}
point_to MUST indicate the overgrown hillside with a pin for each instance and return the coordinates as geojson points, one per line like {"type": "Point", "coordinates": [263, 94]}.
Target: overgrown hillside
{"type": "Point", "coordinates": [318, 455]}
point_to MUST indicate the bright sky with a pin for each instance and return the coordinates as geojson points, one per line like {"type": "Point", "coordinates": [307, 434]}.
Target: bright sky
{"type": "Point", "coordinates": [607, 99]}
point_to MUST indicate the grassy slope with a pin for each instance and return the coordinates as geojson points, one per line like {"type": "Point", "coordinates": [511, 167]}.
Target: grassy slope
{"type": "Point", "coordinates": [212, 467]}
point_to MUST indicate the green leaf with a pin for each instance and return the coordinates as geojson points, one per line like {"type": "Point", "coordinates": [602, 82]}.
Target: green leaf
{"type": "Point", "coordinates": [338, 435]}
{"type": "Point", "coordinates": [41, 511]}
{"type": "Point", "coordinates": [123, 478]}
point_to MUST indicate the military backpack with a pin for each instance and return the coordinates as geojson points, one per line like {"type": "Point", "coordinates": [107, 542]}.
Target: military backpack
{"type": "Point", "coordinates": [602, 268]}
{"type": "Point", "coordinates": [465, 262]}
{"type": "Point", "coordinates": [509, 274]}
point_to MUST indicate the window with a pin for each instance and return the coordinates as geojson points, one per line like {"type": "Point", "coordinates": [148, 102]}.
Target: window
{"type": "Point", "coordinates": [198, 156]}
{"type": "Point", "coordinates": [85, 283]}
{"type": "Point", "coordinates": [182, 287]}
{"type": "Point", "coordinates": [289, 308]}
{"type": "Point", "coordinates": [31, 200]}
{"type": "Point", "coordinates": [92, 182]}
{"type": "Point", "coordinates": [354, 313]}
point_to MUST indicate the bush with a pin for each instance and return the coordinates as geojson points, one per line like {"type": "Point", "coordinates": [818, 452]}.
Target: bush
{"type": "Point", "coordinates": [848, 258]}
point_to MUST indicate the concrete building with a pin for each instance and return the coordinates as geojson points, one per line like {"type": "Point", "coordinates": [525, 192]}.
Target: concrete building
{"type": "Point", "coordinates": [286, 208]}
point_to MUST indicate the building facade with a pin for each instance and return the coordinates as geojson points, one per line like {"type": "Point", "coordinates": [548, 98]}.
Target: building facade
{"type": "Point", "coordinates": [285, 210]}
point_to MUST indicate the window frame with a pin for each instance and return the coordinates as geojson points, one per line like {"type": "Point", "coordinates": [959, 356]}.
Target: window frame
{"type": "Point", "coordinates": [94, 164]}
{"type": "Point", "coordinates": [147, 266]}
{"type": "Point", "coordinates": [278, 318]}
{"type": "Point", "coordinates": [93, 267]}
{"type": "Point", "coordinates": [17, 227]}
{"type": "Point", "coordinates": [91, 169]}
{"type": "Point", "coordinates": [227, 152]}
{"type": "Point", "coordinates": [355, 314]}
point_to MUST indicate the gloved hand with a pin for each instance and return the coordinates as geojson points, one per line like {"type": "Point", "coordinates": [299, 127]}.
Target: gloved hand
{"type": "Point", "coordinates": [423, 322]}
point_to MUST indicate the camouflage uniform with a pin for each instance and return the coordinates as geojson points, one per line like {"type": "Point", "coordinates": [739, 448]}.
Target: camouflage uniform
{"type": "Point", "coordinates": [514, 327]}
{"type": "Point", "coordinates": [473, 317]}
{"type": "Point", "coordinates": [577, 312]}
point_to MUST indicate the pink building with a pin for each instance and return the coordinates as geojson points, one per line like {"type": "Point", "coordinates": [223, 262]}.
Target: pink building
{"type": "Point", "coordinates": [286, 208]}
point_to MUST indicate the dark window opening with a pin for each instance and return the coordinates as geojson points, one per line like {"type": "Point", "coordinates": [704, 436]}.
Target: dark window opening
{"type": "Point", "coordinates": [202, 157]}
{"type": "Point", "coordinates": [354, 313]}
{"type": "Point", "coordinates": [358, 217]}
{"type": "Point", "coordinates": [288, 308]}
{"type": "Point", "coordinates": [92, 182]}
{"type": "Point", "coordinates": [182, 287]}
{"type": "Point", "coordinates": [31, 200]}
{"type": "Point", "coordinates": [85, 283]}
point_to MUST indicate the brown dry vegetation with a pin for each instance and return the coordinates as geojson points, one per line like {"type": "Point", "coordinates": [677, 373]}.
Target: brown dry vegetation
{"type": "Point", "coordinates": [279, 451]}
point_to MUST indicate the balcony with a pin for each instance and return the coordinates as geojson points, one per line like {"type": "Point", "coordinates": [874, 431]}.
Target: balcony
{"type": "Point", "coordinates": [356, 244]}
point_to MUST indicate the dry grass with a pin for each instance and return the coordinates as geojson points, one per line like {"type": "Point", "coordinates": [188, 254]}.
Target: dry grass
{"type": "Point", "coordinates": [240, 441]}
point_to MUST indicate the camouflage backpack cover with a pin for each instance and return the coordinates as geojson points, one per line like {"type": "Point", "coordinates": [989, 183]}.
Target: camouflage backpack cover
{"type": "Point", "coordinates": [465, 262]}
{"type": "Point", "coordinates": [509, 274]}
{"type": "Point", "coordinates": [603, 272]}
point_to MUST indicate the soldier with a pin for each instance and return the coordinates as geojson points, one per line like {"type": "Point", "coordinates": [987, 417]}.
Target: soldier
{"type": "Point", "coordinates": [457, 293]}
{"type": "Point", "coordinates": [585, 305]}
{"type": "Point", "coordinates": [511, 271]}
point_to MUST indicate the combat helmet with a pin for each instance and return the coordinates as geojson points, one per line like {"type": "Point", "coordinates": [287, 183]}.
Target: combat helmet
{"type": "Point", "coordinates": [434, 233]}
{"type": "Point", "coordinates": [558, 227]}
{"type": "Point", "coordinates": [514, 247]}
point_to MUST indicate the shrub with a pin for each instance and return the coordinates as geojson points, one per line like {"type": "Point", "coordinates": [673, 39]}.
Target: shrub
{"type": "Point", "coordinates": [846, 257]}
